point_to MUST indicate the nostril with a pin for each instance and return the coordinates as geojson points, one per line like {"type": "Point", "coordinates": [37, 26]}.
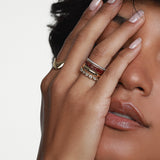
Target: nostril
{"type": "Point", "coordinates": [140, 88]}
{"type": "Point", "coordinates": [120, 83]}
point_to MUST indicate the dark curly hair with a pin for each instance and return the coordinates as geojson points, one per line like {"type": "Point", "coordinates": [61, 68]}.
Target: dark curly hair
{"type": "Point", "coordinates": [66, 14]}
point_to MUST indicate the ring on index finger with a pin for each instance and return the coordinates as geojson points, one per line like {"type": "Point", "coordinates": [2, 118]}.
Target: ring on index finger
{"type": "Point", "coordinates": [57, 65]}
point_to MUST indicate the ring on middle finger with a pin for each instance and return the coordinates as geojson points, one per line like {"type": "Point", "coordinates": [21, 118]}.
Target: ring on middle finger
{"type": "Point", "coordinates": [89, 73]}
{"type": "Point", "coordinates": [92, 70]}
{"type": "Point", "coordinates": [94, 66]}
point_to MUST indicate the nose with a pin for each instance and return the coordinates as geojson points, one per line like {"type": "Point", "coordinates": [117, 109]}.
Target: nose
{"type": "Point", "coordinates": [137, 76]}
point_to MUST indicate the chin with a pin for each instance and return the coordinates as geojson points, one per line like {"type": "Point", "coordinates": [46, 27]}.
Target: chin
{"type": "Point", "coordinates": [121, 145]}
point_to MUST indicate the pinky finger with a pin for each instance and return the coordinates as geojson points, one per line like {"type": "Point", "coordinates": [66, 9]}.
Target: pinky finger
{"type": "Point", "coordinates": [108, 82]}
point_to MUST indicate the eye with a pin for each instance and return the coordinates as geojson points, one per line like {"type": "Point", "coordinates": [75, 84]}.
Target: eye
{"type": "Point", "coordinates": [121, 49]}
{"type": "Point", "coordinates": [119, 19]}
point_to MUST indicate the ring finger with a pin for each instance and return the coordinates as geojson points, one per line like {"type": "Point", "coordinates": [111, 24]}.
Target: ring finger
{"type": "Point", "coordinates": [103, 53]}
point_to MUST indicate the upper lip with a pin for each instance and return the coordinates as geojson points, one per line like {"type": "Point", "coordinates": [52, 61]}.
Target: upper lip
{"type": "Point", "coordinates": [127, 108]}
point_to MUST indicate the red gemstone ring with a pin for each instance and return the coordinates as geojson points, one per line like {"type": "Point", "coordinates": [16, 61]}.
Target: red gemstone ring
{"type": "Point", "coordinates": [95, 67]}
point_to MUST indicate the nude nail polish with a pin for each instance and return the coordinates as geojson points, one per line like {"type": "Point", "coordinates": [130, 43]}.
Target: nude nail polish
{"type": "Point", "coordinates": [135, 43]}
{"type": "Point", "coordinates": [136, 16]}
{"type": "Point", "coordinates": [93, 5]}
{"type": "Point", "coordinates": [111, 1]}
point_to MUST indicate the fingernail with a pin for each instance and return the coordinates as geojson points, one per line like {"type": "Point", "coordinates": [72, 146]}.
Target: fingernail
{"type": "Point", "coordinates": [111, 1]}
{"type": "Point", "coordinates": [93, 5]}
{"type": "Point", "coordinates": [135, 43]}
{"type": "Point", "coordinates": [136, 16]}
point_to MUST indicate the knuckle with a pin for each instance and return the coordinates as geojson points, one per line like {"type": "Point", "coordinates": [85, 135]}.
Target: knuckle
{"type": "Point", "coordinates": [75, 94]}
{"type": "Point", "coordinates": [103, 10]}
{"type": "Point", "coordinates": [111, 72]}
{"type": "Point", "coordinates": [108, 71]}
{"type": "Point", "coordinates": [128, 29]}
{"type": "Point", "coordinates": [56, 87]}
{"type": "Point", "coordinates": [70, 38]}
{"type": "Point", "coordinates": [98, 51]}
{"type": "Point", "coordinates": [44, 85]}
{"type": "Point", "coordinates": [80, 37]}
{"type": "Point", "coordinates": [122, 55]}
{"type": "Point", "coordinates": [74, 97]}
{"type": "Point", "coordinates": [86, 17]}
{"type": "Point", "coordinates": [125, 56]}
{"type": "Point", "coordinates": [46, 81]}
{"type": "Point", "coordinates": [71, 97]}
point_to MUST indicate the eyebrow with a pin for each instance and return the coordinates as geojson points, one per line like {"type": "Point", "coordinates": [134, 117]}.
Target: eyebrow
{"type": "Point", "coordinates": [119, 19]}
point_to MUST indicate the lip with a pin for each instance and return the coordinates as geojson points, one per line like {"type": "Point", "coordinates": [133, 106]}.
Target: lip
{"type": "Point", "coordinates": [121, 123]}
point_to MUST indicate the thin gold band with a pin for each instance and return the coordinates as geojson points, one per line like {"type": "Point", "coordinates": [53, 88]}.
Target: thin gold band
{"type": "Point", "coordinates": [89, 73]}
{"type": "Point", "coordinates": [90, 70]}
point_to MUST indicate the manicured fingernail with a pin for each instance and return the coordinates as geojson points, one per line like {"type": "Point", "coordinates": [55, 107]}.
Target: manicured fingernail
{"type": "Point", "coordinates": [134, 44]}
{"type": "Point", "coordinates": [136, 16]}
{"type": "Point", "coordinates": [111, 1]}
{"type": "Point", "coordinates": [94, 4]}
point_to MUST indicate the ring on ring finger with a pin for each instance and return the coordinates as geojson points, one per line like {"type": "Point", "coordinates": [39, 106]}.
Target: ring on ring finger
{"type": "Point", "coordinates": [92, 70]}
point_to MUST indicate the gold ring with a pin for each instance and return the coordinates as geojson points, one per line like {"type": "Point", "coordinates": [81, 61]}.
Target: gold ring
{"type": "Point", "coordinates": [89, 73]}
{"type": "Point", "coordinates": [90, 70]}
{"type": "Point", "coordinates": [57, 65]}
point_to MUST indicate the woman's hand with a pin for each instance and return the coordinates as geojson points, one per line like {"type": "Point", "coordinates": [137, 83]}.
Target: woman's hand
{"type": "Point", "coordinates": [74, 107]}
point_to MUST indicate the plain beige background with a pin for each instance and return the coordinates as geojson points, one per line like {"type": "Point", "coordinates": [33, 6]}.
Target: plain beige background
{"type": "Point", "coordinates": [25, 58]}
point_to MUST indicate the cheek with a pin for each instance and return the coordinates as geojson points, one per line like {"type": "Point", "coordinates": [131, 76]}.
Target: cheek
{"type": "Point", "coordinates": [124, 145]}
{"type": "Point", "coordinates": [155, 104]}
{"type": "Point", "coordinates": [152, 113]}
{"type": "Point", "coordinates": [141, 145]}
{"type": "Point", "coordinates": [158, 58]}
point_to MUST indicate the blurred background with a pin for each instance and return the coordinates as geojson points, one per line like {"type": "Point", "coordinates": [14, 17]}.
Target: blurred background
{"type": "Point", "coordinates": [25, 58]}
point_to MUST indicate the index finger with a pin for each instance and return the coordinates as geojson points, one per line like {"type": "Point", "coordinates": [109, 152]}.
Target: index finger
{"type": "Point", "coordinates": [94, 6]}
{"type": "Point", "coordinates": [87, 37]}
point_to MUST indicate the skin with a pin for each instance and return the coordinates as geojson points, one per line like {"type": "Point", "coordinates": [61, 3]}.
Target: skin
{"type": "Point", "coordinates": [74, 107]}
{"type": "Point", "coordinates": [142, 72]}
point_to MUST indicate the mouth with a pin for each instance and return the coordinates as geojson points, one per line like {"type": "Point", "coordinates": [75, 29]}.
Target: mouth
{"type": "Point", "coordinates": [124, 117]}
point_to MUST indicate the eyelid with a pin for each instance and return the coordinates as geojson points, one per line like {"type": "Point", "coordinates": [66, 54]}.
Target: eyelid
{"type": "Point", "coordinates": [120, 20]}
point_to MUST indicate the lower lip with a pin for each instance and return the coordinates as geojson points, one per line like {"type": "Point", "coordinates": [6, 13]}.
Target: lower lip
{"type": "Point", "coordinates": [120, 123]}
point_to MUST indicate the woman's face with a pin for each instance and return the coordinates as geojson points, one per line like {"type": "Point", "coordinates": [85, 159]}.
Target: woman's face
{"type": "Point", "coordinates": [140, 86]}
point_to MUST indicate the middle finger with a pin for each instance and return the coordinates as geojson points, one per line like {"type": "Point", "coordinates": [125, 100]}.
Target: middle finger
{"type": "Point", "coordinates": [105, 50]}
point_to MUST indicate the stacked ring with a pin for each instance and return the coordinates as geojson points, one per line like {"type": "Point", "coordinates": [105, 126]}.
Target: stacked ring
{"type": "Point", "coordinates": [95, 67]}
{"type": "Point", "coordinates": [92, 70]}
{"type": "Point", "coordinates": [89, 73]}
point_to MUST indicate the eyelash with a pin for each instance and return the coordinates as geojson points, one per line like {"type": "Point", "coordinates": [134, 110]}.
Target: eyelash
{"type": "Point", "coordinates": [119, 20]}
{"type": "Point", "coordinates": [121, 49]}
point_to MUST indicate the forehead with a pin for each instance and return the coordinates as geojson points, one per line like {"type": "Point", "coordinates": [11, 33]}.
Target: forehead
{"type": "Point", "coordinates": [143, 1]}
{"type": "Point", "coordinates": [129, 7]}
